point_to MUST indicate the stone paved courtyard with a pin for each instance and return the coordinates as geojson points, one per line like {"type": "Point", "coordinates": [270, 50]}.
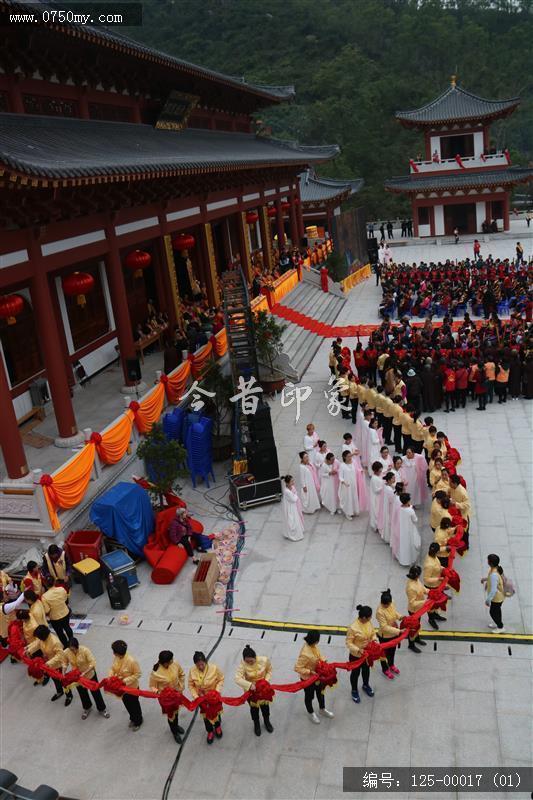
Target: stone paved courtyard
{"type": "Point", "coordinates": [456, 704]}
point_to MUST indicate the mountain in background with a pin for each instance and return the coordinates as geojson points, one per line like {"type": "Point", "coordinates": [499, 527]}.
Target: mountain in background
{"type": "Point", "coordinates": [354, 63]}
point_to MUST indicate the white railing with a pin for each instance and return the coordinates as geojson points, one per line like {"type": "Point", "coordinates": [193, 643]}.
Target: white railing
{"type": "Point", "coordinates": [469, 162]}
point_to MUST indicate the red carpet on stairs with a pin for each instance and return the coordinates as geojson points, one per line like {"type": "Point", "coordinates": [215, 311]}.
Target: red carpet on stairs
{"type": "Point", "coordinates": [332, 331]}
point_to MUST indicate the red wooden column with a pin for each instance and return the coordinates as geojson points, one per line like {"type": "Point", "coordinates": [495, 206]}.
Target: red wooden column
{"type": "Point", "coordinates": [10, 438]}
{"type": "Point", "coordinates": [50, 342]}
{"type": "Point", "coordinates": [299, 214]}
{"type": "Point", "coordinates": [293, 221]}
{"type": "Point", "coordinates": [506, 204]}
{"type": "Point", "coordinates": [280, 226]}
{"type": "Point", "coordinates": [244, 245]}
{"type": "Point", "coordinates": [162, 281]}
{"type": "Point", "coordinates": [119, 299]}
{"type": "Point", "coordinates": [266, 236]}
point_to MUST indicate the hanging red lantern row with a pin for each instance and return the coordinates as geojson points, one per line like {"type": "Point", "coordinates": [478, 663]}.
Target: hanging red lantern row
{"type": "Point", "coordinates": [138, 260]}
{"type": "Point", "coordinates": [251, 217]}
{"type": "Point", "coordinates": [285, 205]}
{"type": "Point", "coordinates": [271, 211]}
{"type": "Point", "coordinates": [183, 241]}
{"type": "Point", "coordinates": [11, 305]}
{"type": "Point", "coordinates": [78, 284]}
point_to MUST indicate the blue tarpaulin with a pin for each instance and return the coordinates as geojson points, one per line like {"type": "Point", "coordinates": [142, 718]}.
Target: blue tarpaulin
{"type": "Point", "coordinates": [125, 513]}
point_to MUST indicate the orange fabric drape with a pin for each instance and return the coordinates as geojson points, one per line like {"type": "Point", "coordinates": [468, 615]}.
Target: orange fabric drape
{"type": "Point", "coordinates": [200, 359]}
{"type": "Point", "coordinates": [356, 277]}
{"type": "Point", "coordinates": [67, 487]}
{"type": "Point", "coordinates": [220, 344]}
{"type": "Point", "coordinates": [115, 441]}
{"type": "Point", "coordinates": [149, 410]}
{"type": "Point", "coordinates": [284, 285]}
{"type": "Point", "coordinates": [177, 381]}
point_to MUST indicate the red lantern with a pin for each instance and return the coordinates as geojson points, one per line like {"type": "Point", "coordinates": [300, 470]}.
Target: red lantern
{"type": "Point", "coordinates": [285, 206]}
{"type": "Point", "coordinates": [271, 211]}
{"type": "Point", "coordinates": [183, 241]}
{"type": "Point", "coordinates": [78, 284]}
{"type": "Point", "coordinates": [138, 260]}
{"type": "Point", "coordinates": [252, 217]}
{"type": "Point", "coordinates": [10, 306]}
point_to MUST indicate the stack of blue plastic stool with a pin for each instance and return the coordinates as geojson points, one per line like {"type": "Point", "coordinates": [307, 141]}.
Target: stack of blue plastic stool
{"type": "Point", "coordinates": [198, 443]}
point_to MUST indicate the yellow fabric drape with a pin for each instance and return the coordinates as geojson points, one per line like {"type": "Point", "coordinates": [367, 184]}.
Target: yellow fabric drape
{"type": "Point", "coordinates": [116, 440]}
{"type": "Point", "coordinates": [200, 359]}
{"type": "Point", "coordinates": [259, 304]}
{"type": "Point", "coordinates": [356, 277]}
{"type": "Point", "coordinates": [220, 343]}
{"type": "Point", "coordinates": [67, 487]}
{"type": "Point", "coordinates": [150, 409]}
{"type": "Point", "coordinates": [284, 285]}
{"type": "Point", "coordinates": [176, 382]}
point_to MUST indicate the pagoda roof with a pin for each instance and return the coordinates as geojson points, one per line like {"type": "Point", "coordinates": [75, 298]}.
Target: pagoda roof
{"type": "Point", "coordinates": [78, 151]}
{"type": "Point", "coordinates": [124, 44]}
{"type": "Point", "coordinates": [463, 180]}
{"type": "Point", "coordinates": [315, 189]}
{"type": "Point", "coordinates": [457, 105]}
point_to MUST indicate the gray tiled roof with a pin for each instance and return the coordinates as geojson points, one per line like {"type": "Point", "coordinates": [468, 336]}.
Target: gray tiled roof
{"type": "Point", "coordinates": [62, 148]}
{"type": "Point", "coordinates": [116, 40]}
{"type": "Point", "coordinates": [456, 104]}
{"type": "Point", "coordinates": [314, 189]}
{"type": "Point", "coordinates": [464, 180]}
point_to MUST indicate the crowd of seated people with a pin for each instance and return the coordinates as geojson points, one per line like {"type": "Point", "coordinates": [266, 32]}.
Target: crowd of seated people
{"type": "Point", "coordinates": [484, 286]}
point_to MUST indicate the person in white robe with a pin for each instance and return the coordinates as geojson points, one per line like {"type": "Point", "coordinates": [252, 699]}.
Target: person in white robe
{"type": "Point", "coordinates": [358, 435]}
{"type": "Point", "coordinates": [410, 542]}
{"type": "Point", "coordinates": [328, 484]}
{"type": "Point", "coordinates": [399, 474]}
{"type": "Point", "coordinates": [411, 473]}
{"type": "Point", "coordinates": [374, 444]}
{"type": "Point", "coordinates": [309, 485]}
{"type": "Point", "coordinates": [311, 440]}
{"type": "Point", "coordinates": [365, 436]}
{"type": "Point", "coordinates": [348, 495]}
{"type": "Point", "coordinates": [319, 456]}
{"type": "Point", "coordinates": [395, 519]}
{"type": "Point", "coordinates": [362, 493]}
{"type": "Point", "coordinates": [388, 506]}
{"type": "Point", "coordinates": [376, 497]}
{"type": "Point", "coordinates": [292, 511]}
{"type": "Point", "coordinates": [385, 458]}
{"type": "Point", "coordinates": [349, 444]}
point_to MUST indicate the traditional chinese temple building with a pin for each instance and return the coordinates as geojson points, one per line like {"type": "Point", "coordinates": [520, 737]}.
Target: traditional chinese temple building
{"type": "Point", "coordinates": [322, 198]}
{"type": "Point", "coordinates": [126, 175]}
{"type": "Point", "coordinates": [462, 181]}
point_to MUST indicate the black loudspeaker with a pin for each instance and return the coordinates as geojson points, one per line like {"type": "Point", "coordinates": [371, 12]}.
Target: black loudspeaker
{"type": "Point", "coordinates": [133, 368]}
{"type": "Point", "coordinates": [262, 461]}
{"type": "Point", "coordinates": [260, 426]}
{"type": "Point", "coordinates": [372, 249]}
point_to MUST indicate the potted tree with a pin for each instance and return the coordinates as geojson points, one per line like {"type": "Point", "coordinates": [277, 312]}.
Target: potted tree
{"type": "Point", "coordinates": [219, 408]}
{"type": "Point", "coordinates": [268, 333]}
{"type": "Point", "coordinates": [163, 459]}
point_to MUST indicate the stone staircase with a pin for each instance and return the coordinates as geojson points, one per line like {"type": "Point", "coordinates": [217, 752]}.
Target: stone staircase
{"type": "Point", "coordinates": [300, 344]}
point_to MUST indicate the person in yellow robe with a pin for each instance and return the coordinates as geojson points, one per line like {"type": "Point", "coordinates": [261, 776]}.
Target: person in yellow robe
{"type": "Point", "coordinates": [388, 618]}
{"type": "Point", "coordinates": [443, 534]}
{"type": "Point", "coordinates": [206, 677]}
{"type": "Point", "coordinates": [76, 656]}
{"type": "Point", "coordinates": [7, 592]}
{"type": "Point", "coordinates": [435, 473]}
{"type": "Point", "coordinates": [56, 566]}
{"type": "Point", "coordinates": [305, 666]}
{"type": "Point", "coordinates": [33, 579]}
{"type": "Point", "coordinates": [360, 633]}
{"type": "Point", "coordinates": [127, 669]}
{"type": "Point", "coordinates": [37, 612]}
{"type": "Point", "coordinates": [460, 498]}
{"type": "Point", "coordinates": [167, 673]}
{"type": "Point", "coordinates": [432, 577]}
{"type": "Point", "coordinates": [48, 646]}
{"type": "Point", "coordinates": [437, 510]}
{"type": "Point", "coordinates": [55, 604]}
{"type": "Point", "coordinates": [416, 597]}
{"type": "Point", "coordinates": [252, 669]}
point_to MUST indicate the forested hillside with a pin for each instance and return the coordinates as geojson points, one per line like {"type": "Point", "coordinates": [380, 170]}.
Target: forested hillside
{"type": "Point", "coordinates": [355, 62]}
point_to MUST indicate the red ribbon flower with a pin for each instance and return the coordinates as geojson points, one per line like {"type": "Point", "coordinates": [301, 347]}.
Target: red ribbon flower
{"type": "Point", "coordinates": [211, 705]}
{"type": "Point", "coordinates": [70, 677]}
{"type": "Point", "coordinates": [170, 701]}
{"type": "Point", "coordinates": [410, 623]}
{"type": "Point", "coordinates": [163, 379]}
{"type": "Point", "coordinates": [46, 480]}
{"type": "Point", "coordinates": [452, 577]}
{"type": "Point", "coordinates": [36, 668]}
{"type": "Point", "coordinates": [96, 438]}
{"type": "Point", "coordinates": [438, 598]}
{"type": "Point", "coordinates": [327, 674]}
{"type": "Point", "coordinates": [264, 693]}
{"type": "Point", "coordinates": [114, 685]}
{"type": "Point", "coordinates": [373, 652]}
{"type": "Point", "coordinates": [134, 406]}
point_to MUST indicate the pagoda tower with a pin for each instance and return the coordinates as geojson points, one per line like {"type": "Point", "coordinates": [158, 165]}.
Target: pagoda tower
{"type": "Point", "coordinates": [461, 182]}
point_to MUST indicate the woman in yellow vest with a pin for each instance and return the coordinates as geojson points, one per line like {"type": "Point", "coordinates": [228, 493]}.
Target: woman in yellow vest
{"type": "Point", "coordinates": [56, 566]}
{"type": "Point", "coordinates": [206, 677]}
{"type": "Point", "coordinates": [127, 669]}
{"type": "Point", "coordinates": [360, 633]}
{"type": "Point", "coordinates": [416, 597]}
{"type": "Point", "coordinates": [167, 673]}
{"type": "Point", "coordinates": [33, 579]}
{"type": "Point", "coordinates": [388, 618]}
{"type": "Point", "coordinates": [495, 594]}
{"type": "Point", "coordinates": [502, 380]}
{"type": "Point", "coordinates": [305, 666]}
{"type": "Point", "coordinates": [55, 604]}
{"type": "Point", "coordinates": [48, 646]}
{"type": "Point", "coordinates": [76, 656]}
{"type": "Point", "coordinates": [432, 577]}
{"type": "Point", "coordinates": [252, 669]}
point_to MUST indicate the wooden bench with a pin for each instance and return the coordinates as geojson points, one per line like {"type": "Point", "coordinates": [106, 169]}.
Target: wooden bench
{"type": "Point", "coordinates": [36, 411]}
{"type": "Point", "coordinates": [148, 341]}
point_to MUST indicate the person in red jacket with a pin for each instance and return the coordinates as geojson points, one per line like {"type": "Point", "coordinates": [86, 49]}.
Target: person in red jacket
{"type": "Point", "coordinates": [461, 385]}
{"type": "Point", "coordinates": [448, 386]}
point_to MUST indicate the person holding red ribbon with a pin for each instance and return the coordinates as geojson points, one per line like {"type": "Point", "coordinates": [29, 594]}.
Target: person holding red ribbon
{"type": "Point", "coordinates": [306, 666]}
{"type": "Point", "coordinates": [250, 672]}
{"type": "Point", "coordinates": [47, 646]}
{"type": "Point", "coordinates": [432, 575]}
{"type": "Point", "coordinates": [360, 633]}
{"type": "Point", "coordinates": [204, 678]}
{"type": "Point", "coordinates": [167, 673]}
{"type": "Point", "coordinates": [416, 597]}
{"type": "Point", "coordinates": [78, 657]}
{"type": "Point", "coordinates": [127, 670]}
{"type": "Point", "coordinates": [388, 617]}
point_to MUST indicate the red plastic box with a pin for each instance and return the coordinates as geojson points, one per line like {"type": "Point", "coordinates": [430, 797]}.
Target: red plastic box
{"type": "Point", "coordinates": [84, 544]}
